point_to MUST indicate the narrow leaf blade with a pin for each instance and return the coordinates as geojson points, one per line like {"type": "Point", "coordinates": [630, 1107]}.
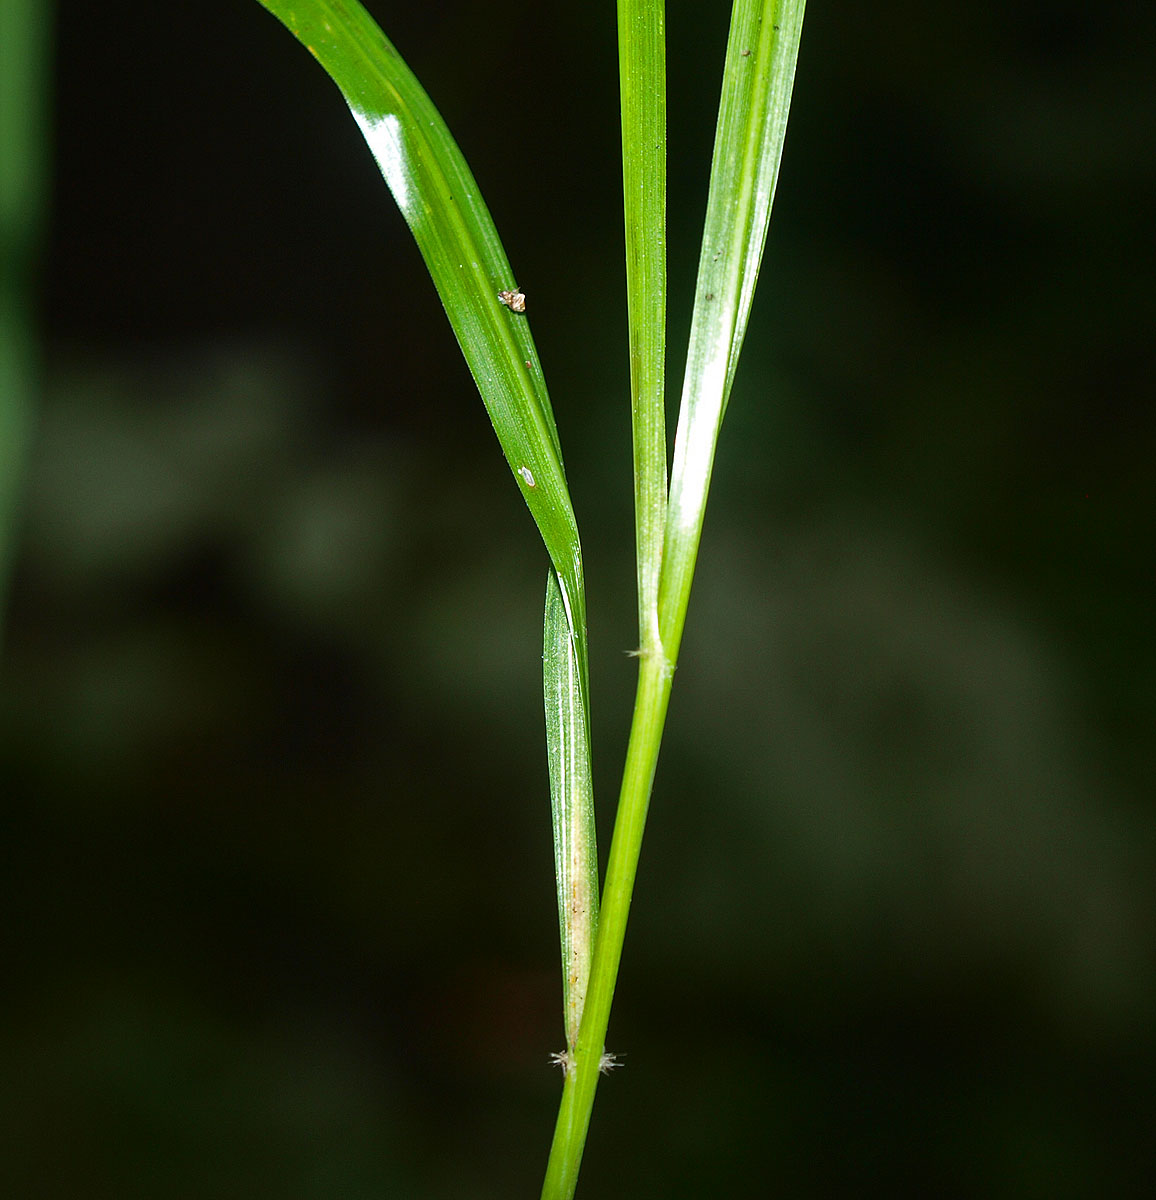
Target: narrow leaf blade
{"type": "Point", "coordinates": [441, 203]}
{"type": "Point", "coordinates": [757, 83]}
{"type": "Point", "coordinates": [642, 86]}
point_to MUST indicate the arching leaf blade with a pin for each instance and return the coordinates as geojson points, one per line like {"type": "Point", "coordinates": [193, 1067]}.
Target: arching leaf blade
{"type": "Point", "coordinates": [440, 201]}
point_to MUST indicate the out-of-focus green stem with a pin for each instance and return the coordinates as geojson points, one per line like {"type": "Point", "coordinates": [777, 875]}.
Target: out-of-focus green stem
{"type": "Point", "coordinates": [24, 73]}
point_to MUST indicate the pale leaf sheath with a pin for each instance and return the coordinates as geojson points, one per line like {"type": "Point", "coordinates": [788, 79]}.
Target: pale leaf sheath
{"type": "Point", "coordinates": [572, 806]}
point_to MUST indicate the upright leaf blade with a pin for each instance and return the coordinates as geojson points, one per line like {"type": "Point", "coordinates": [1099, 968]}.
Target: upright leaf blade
{"type": "Point", "coordinates": [440, 202]}
{"type": "Point", "coordinates": [757, 82]}
{"type": "Point", "coordinates": [642, 85]}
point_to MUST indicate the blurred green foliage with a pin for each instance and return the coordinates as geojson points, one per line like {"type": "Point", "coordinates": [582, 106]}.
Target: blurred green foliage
{"type": "Point", "coordinates": [898, 889]}
{"type": "Point", "coordinates": [24, 150]}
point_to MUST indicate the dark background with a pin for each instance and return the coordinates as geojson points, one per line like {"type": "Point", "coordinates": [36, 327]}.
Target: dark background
{"type": "Point", "coordinates": [278, 871]}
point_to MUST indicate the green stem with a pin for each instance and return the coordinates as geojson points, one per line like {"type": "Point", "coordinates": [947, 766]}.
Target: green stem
{"type": "Point", "coordinates": [642, 82]}
{"type": "Point", "coordinates": [654, 682]}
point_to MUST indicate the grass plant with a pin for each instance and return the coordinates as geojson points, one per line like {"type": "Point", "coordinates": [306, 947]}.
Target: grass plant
{"type": "Point", "coordinates": [440, 202]}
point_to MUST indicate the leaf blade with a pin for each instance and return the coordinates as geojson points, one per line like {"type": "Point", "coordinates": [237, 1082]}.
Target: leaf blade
{"type": "Point", "coordinates": [642, 87]}
{"type": "Point", "coordinates": [441, 203]}
{"type": "Point", "coordinates": [444, 209]}
{"type": "Point", "coordinates": [758, 79]}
